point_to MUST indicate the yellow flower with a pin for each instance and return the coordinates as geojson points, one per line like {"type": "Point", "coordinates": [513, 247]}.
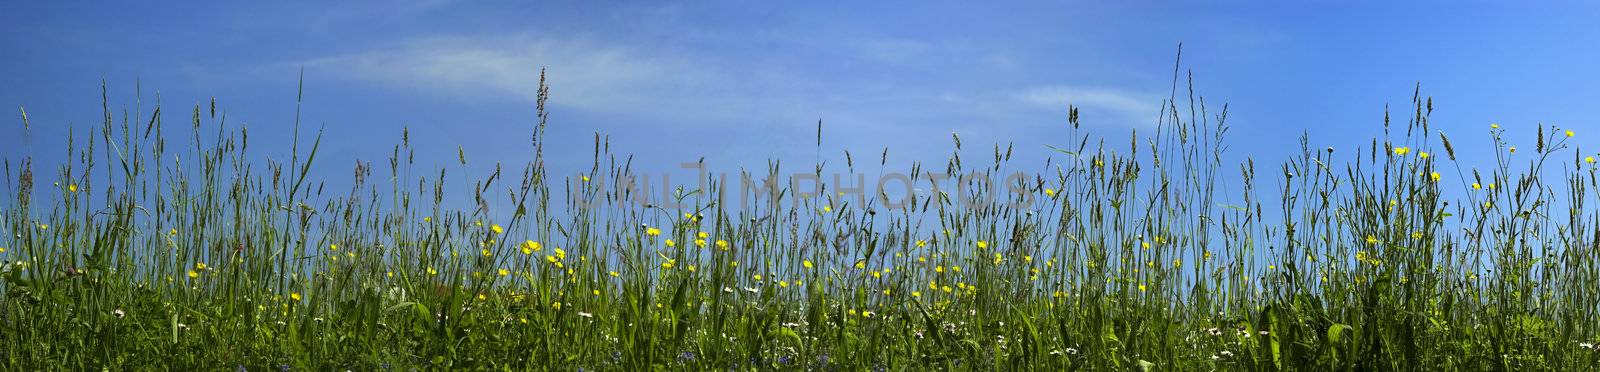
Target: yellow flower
{"type": "Point", "coordinates": [504, 272]}
{"type": "Point", "coordinates": [486, 252]}
{"type": "Point", "coordinates": [615, 274]}
{"type": "Point", "coordinates": [652, 231]}
{"type": "Point", "coordinates": [497, 229]}
{"type": "Point", "coordinates": [556, 305]}
{"type": "Point", "coordinates": [1433, 176]}
{"type": "Point", "coordinates": [1401, 150]}
{"type": "Point", "coordinates": [1050, 192]}
{"type": "Point", "coordinates": [550, 258]}
{"type": "Point", "coordinates": [193, 274]}
{"type": "Point", "coordinates": [528, 247]}
{"type": "Point", "coordinates": [783, 283]}
{"type": "Point", "coordinates": [757, 277]}
{"type": "Point", "coordinates": [431, 271]}
{"type": "Point", "coordinates": [702, 235]}
{"type": "Point", "coordinates": [827, 208]}
{"type": "Point", "coordinates": [946, 289]}
{"type": "Point", "coordinates": [560, 254]}
{"type": "Point", "coordinates": [1372, 239]}
{"type": "Point", "coordinates": [1588, 159]}
{"type": "Point", "coordinates": [483, 297]}
{"type": "Point", "coordinates": [333, 247]}
{"type": "Point", "coordinates": [806, 263]}
{"type": "Point", "coordinates": [861, 264]}
{"type": "Point", "coordinates": [691, 268]}
{"type": "Point", "coordinates": [1142, 288]}
{"type": "Point", "coordinates": [955, 269]}
{"type": "Point", "coordinates": [722, 244]}
{"type": "Point", "coordinates": [1513, 149]}
{"type": "Point", "coordinates": [1476, 186]}
{"type": "Point", "coordinates": [700, 243]}
{"type": "Point", "coordinates": [922, 243]}
{"type": "Point", "coordinates": [938, 269]}
{"type": "Point", "coordinates": [1145, 245]}
{"type": "Point", "coordinates": [1569, 133]}
{"type": "Point", "coordinates": [44, 226]}
{"type": "Point", "coordinates": [172, 232]}
{"type": "Point", "coordinates": [200, 266]}
{"type": "Point", "coordinates": [667, 265]}
{"type": "Point", "coordinates": [1423, 154]}
{"type": "Point", "coordinates": [671, 243]}
{"type": "Point", "coordinates": [1494, 125]}
{"type": "Point", "coordinates": [916, 294]}
{"type": "Point", "coordinates": [596, 292]}
{"type": "Point", "coordinates": [294, 296]}
{"type": "Point", "coordinates": [983, 244]}
{"type": "Point", "coordinates": [74, 187]}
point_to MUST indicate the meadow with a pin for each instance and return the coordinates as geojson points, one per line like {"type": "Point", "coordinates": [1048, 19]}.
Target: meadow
{"type": "Point", "coordinates": [163, 246]}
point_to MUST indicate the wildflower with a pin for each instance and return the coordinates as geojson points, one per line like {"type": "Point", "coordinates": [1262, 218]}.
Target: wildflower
{"type": "Point", "coordinates": [504, 272]}
{"type": "Point", "coordinates": [806, 263]}
{"type": "Point", "coordinates": [44, 226]}
{"type": "Point", "coordinates": [946, 289]}
{"type": "Point", "coordinates": [172, 232]}
{"type": "Point", "coordinates": [757, 277]}
{"type": "Point", "coordinates": [722, 244]}
{"type": "Point", "coordinates": [652, 231]}
{"type": "Point", "coordinates": [827, 208]}
{"type": "Point", "coordinates": [496, 228]}
{"type": "Point", "coordinates": [1588, 159]}
{"type": "Point", "coordinates": [1145, 245]}
{"type": "Point", "coordinates": [1433, 176]}
{"type": "Point", "coordinates": [586, 315]}
{"type": "Point", "coordinates": [482, 297]}
{"type": "Point", "coordinates": [596, 292]}
{"type": "Point", "coordinates": [983, 244]}
{"type": "Point", "coordinates": [1513, 149]}
{"type": "Point", "coordinates": [615, 274]}
{"type": "Point", "coordinates": [1214, 332]}
{"type": "Point", "coordinates": [916, 294]}
{"type": "Point", "coordinates": [955, 269]}
{"type": "Point", "coordinates": [431, 271]}
{"type": "Point", "coordinates": [556, 305]}
{"type": "Point", "coordinates": [783, 283]}
{"type": "Point", "coordinates": [1423, 154]}
{"type": "Point", "coordinates": [200, 266]}
{"type": "Point", "coordinates": [1476, 186]}
{"type": "Point", "coordinates": [1401, 150]}
{"type": "Point", "coordinates": [193, 274]}
{"type": "Point", "coordinates": [702, 235]}
{"type": "Point", "coordinates": [486, 252]}
{"type": "Point", "coordinates": [1050, 192]}
{"type": "Point", "coordinates": [1372, 239]}
{"type": "Point", "coordinates": [1142, 288]}
{"type": "Point", "coordinates": [294, 296]}
{"type": "Point", "coordinates": [118, 313]}
{"type": "Point", "coordinates": [1570, 134]}
{"type": "Point", "coordinates": [939, 269]}
{"type": "Point", "coordinates": [1494, 125]}
{"type": "Point", "coordinates": [560, 254]}
{"type": "Point", "coordinates": [700, 243]}
{"type": "Point", "coordinates": [861, 264]}
{"type": "Point", "coordinates": [671, 243]}
{"type": "Point", "coordinates": [667, 265]}
{"type": "Point", "coordinates": [528, 247]}
{"type": "Point", "coordinates": [922, 243]}
{"type": "Point", "coordinates": [73, 188]}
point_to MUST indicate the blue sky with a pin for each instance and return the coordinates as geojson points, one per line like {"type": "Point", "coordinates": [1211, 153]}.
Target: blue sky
{"type": "Point", "coordinates": [740, 82]}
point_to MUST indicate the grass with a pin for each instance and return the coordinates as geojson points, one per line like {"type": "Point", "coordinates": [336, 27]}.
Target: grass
{"type": "Point", "coordinates": [160, 248]}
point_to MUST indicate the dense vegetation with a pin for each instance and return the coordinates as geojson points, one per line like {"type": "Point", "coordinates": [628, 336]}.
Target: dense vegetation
{"type": "Point", "coordinates": [154, 250]}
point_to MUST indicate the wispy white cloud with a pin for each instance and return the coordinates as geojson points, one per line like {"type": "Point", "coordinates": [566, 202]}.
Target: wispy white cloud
{"type": "Point", "coordinates": [1135, 107]}
{"type": "Point", "coordinates": [587, 74]}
